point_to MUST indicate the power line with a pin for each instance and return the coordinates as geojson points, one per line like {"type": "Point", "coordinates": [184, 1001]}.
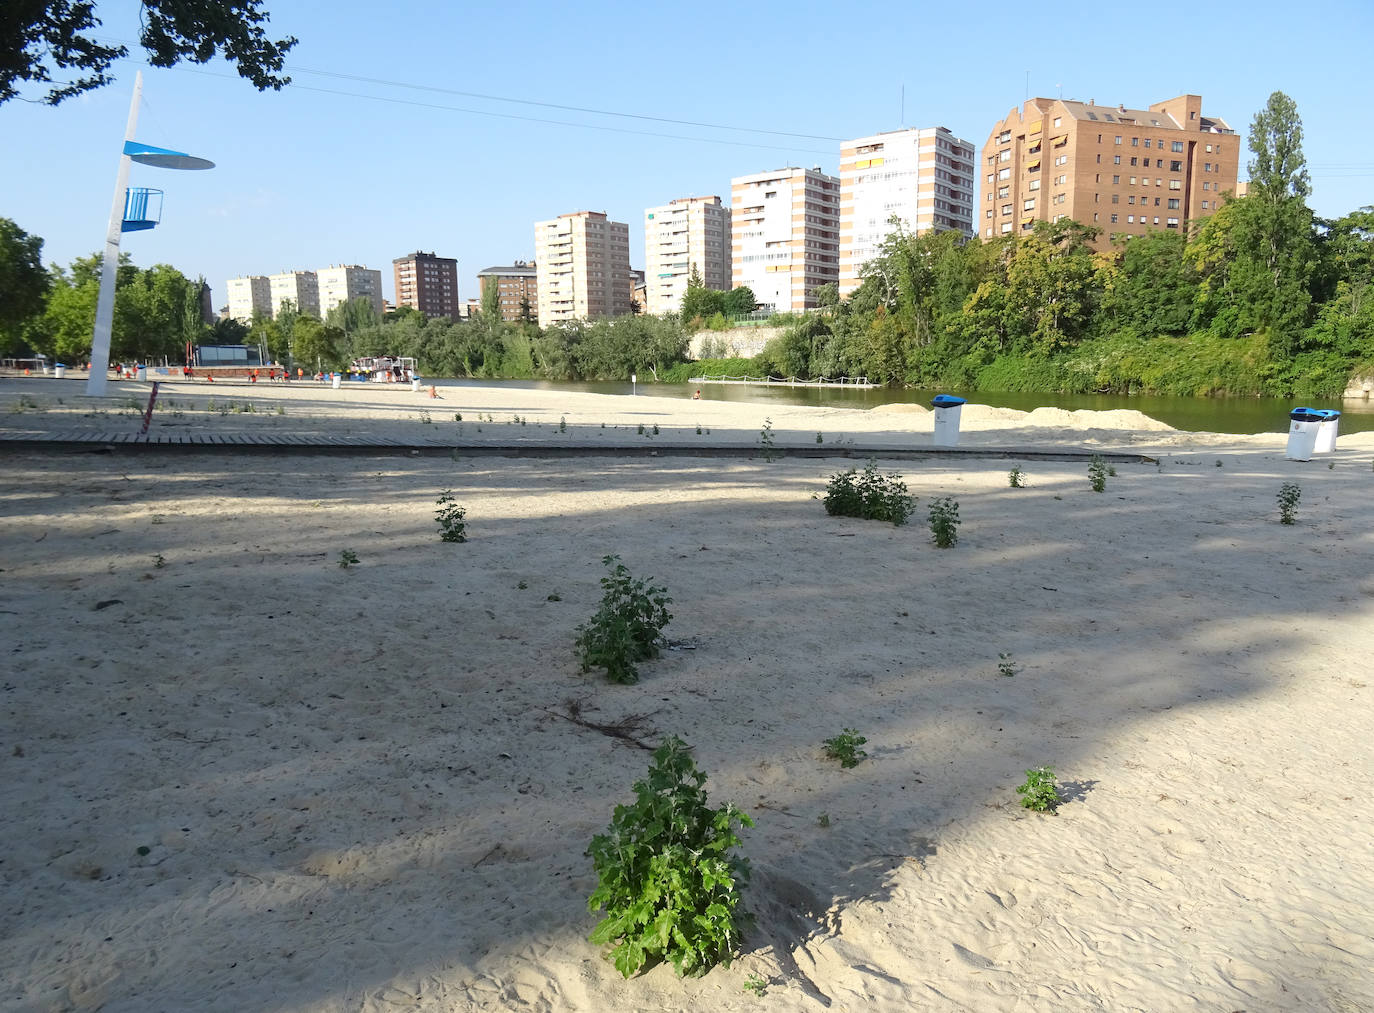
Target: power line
{"type": "Point", "coordinates": [527, 119]}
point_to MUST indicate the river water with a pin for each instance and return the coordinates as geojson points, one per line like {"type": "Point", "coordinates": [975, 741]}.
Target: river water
{"type": "Point", "coordinates": [1195, 414]}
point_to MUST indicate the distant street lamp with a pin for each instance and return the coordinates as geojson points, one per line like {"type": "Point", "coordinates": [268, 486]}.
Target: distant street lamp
{"type": "Point", "coordinates": [133, 210]}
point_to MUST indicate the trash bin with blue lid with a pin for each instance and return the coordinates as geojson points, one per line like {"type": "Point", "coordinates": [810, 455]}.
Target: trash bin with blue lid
{"type": "Point", "coordinates": [1303, 426]}
{"type": "Point", "coordinates": [947, 411]}
{"type": "Point", "coordinates": [1326, 431]}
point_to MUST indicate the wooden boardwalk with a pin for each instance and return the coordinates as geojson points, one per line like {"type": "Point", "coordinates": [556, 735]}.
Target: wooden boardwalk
{"type": "Point", "coordinates": [112, 441]}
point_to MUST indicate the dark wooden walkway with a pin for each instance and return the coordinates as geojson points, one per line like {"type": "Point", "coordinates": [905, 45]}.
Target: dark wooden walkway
{"type": "Point", "coordinates": [308, 443]}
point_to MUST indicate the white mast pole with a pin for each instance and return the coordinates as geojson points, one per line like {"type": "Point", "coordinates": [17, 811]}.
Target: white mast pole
{"type": "Point", "coordinates": [104, 307]}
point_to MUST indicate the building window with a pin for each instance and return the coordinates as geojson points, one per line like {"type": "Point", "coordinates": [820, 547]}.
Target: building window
{"type": "Point", "coordinates": [1034, 185]}
{"type": "Point", "coordinates": [1131, 219]}
{"type": "Point", "coordinates": [1130, 199]}
{"type": "Point", "coordinates": [1003, 192]}
{"type": "Point", "coordinates": [1175, 166]}
{"type": "Point", "coordinates": [1204, 205]}
{"type": "Point", "coordinates": [1118, 141]}
{"type": "Point", "coordinates": [1135, 142]}
{"type": "Point", "coordinates": [1006, 227]}
{"type": "Point", "coordinates": [1114, 219]}
{"type": "Point", "coordinates": [1006, 210]}
{"type": "Point", "coordinates": [1173, 203]}
{"type": "Point", "coordinates": [989, 214]}
{"type": "Point", "coordinates": [1116, 159]}
{"type": "Point", "coordinates": [1028, 205]}
{"type": "Point", "coordinates": [1132, 181]}
{"type": "Point", "coordinates": [1004, 173]}
{"type": "Point", "coordinates": [1058, 120]}
{"type": "Point", "coordinates": [1174, 184]}
{"type": "Point", "coordinates": [1116, 198]}
{"type": "Point", "coordinates": [1116, 180]}
{"type": "Point", "coordinates": [1176, 146]}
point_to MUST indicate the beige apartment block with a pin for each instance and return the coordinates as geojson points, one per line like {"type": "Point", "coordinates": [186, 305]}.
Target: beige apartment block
{"type": "Point", "coordinates": [516, 285]}
{"type": "Point", "coordinates": [582, 263]}
{"type": "Point", "coordinates": [785, 236]}
{"type": "Point", "coordinates": [1125, 171]}
{"type": "Point", "coordinates": [925, 177]}
{"type": "Point", "coordinates": [301, 287]}
{"type": "Point", "coordinates": [346, 282]}
{"type": "Point", "coordinates": [427, 283]}
{"type": "Point", "coordinates": [249, 296]}
{"type": "Point", "coordinates": [686, 233]}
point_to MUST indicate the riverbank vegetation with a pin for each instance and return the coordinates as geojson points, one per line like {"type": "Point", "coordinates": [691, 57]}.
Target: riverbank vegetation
{"type": "Point", "coordinates": [1261, 298]}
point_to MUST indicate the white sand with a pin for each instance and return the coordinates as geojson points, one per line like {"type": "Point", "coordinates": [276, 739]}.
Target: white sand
{"type": "Point", "coordinates": [359, 790]}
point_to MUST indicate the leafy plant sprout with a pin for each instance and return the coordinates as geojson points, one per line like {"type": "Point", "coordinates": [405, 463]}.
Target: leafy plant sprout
{"type": "Point", "coordinates": [665, 872]}
{"type": "Point", "coordinates": [766, 440]}
{"type": "Point", "coordinates": [1097, 473]}
{"type": "Point", "coordinates": [820, 438]}
{"type": "Point", "coordinates": [641, 429]}
{"type": "Point", "coordinates": [159, 562]}
{"type": "Point", "coordinates": [757, 985]}
{"type": "Point", "coordinates": [1039, 793]}
{"type": "Point", "coordinates": [625, 628]}
{"type": "Point", "coordinates": [655, 429]}
{"type": "Point", "coordinates": [457, 416]}
{"type": "Point", "coordinates": [563, 424]}
{"type": "Point", "coordinates": [347, 558]}
{"type": "Point", "coordinates": [1005, 664]}
{"type": "Point", "coordinates": [1289, 494]}
{"type": "Point", "coordinates": [449, 516]}
{"type": "Point", "coordinates": [944, 521]}
{"type": "Point", "coordinates": [845, 748]}
{"type": "Point", "coordinates": [869, 495]}
{"type": "Point", "coordinates": [1016, 478]}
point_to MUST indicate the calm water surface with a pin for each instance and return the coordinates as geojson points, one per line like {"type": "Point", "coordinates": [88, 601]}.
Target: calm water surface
{"type": "Point", "coordinates": [1195, 414]}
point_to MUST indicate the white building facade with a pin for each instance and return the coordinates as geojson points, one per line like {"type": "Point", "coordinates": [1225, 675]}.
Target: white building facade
{"type": "Point", "coordinates": [302, 288]}
{"type": "Point", "coordinates": [249, 296]}
{"type": "Point", "coordinates": [687, 233]}
{"type": "Point", "coordinates": [582, 264]}
{"type": "Point", "coordinates": [924, 177]}
{"type": "Point", "coordinates": [785, 235]}
{"type": "Point", "coordinates": [345, 282]}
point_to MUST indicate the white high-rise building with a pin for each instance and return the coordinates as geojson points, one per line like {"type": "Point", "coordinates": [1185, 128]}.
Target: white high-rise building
{"type": "Point", "coordinates": [785, 235]}
{"type": "Point", "coordinates": [249, 296]}
{"type": "Point", "coordinates": [582, 263]}
{"type": "Point", "coordinates": [924, 177]}
{"type": "Point", "coordinates": [348, 281]}
{"type": "Point", "coordinates": [687, 233]}
{"type": "Point", "coordinates": [301, 287]}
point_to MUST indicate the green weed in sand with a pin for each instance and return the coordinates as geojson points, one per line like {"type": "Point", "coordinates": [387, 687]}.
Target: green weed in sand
{"type": "Point", "coordinates": [626, 626]}
{"type": "Point", "coordinates": [665, 872]}
{"type": "Point", "coordinates": [845, 748]}
{"type": "Point", "coordinates": [1289, 494]}
{"type": "Point", "coordinates": [452, 527]}
{"type": "Point", "coordinates": [1039, 793]}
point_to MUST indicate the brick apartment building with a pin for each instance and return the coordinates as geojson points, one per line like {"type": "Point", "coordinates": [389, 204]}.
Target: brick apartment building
{"type": "Point", "coordinates": [427, 283]}
{"type": "Point", "coordinates": [785, 235]}
{"type": "Point", "coordinates": [515, 284]}
{"type": "Point", "coordinates": [1125, 171]}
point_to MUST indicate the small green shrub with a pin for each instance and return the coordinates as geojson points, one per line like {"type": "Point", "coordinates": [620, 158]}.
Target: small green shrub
{"type": "Point", "coordinates": [869, 495]}
{"type": "Point", "coordinates": [845, 748]}
{"type": "Point", "coordinates": [1016, 478]}
{"type": "Point", "coordinates": [1039, 792]}
{"type": "Point", "coordinates": [944, 521]}
{"type": "Point", "coordinates": [1289, 494]}
{"type": "Point", "coordinates": [347, 558]}
{"type": "Point", "coordinates": [562, 423]}
{"type": "Point", "coordinates": [766, 441]}
{"type": "Point", "coordinates": [452, 527]}
{"type": "Point", "coordinates": [820, 438]}
{"type": "Point", "coordinates": [1006, 665]}
{"type": "Point", "coordinates": [625, 628]}
{"type": "Point", "coordinates": [1097, 473]}
{"type": "Point", "coordinates": [665, 874]}
{"type": "Point", "coordinates": [757, 985]}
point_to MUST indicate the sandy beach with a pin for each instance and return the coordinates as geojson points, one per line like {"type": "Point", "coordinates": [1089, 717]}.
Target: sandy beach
{"type": "Point", "coordinates": [237, 776]}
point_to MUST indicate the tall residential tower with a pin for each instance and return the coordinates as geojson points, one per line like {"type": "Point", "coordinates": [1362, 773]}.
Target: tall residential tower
{"type": "Point", "coordinates": [785, 235]}
{"type": "Point", "coordinates": [1124, 171]}
{"type": "Point", "coordinates": [924, 177]}
{"type": "Point", "coordinates": [583, 267]}
{"type": "Point", "coordinates": [427, 283]}
{"type": "Point", "coordinates": [682, 235]}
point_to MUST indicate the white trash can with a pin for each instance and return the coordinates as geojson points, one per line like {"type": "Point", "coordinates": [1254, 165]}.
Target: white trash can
{"type": "Point", "coordinates": [335, 379]}
{"type": "Point", "coordinates": [415, 383]}
{"type": "Point", "coordinates": [947, 411]}
{"type": "Point", "coordinates": [59, 371]}
{"type": "Point", "coordinates": [141, 373]}
{"type": "Point", "coordinates": [1326, 431]}
{"type": "Point", "coordinates": [1303, 426]}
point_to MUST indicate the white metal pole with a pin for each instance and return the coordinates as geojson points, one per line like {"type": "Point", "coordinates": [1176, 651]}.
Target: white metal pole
{"type": "Point", "coordinates": [104, 306]}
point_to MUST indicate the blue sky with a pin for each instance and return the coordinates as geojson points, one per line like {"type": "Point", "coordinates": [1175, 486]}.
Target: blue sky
{"type": "Point", "coordinates": [308, 177]}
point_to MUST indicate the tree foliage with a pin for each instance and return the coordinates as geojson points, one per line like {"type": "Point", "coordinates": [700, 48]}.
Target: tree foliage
{"type": "Point", "coordinates": [24, 284]}
{"type": "Point", "coordinates": [43, 38]}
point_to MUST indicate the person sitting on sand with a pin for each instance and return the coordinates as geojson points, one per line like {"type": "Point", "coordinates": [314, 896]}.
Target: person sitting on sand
{"type": "Point", "coordinates": [696, 396]}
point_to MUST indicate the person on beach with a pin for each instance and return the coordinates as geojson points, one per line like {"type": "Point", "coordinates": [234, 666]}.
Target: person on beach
{"type": "Point", "coordinates": [696, 396]}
